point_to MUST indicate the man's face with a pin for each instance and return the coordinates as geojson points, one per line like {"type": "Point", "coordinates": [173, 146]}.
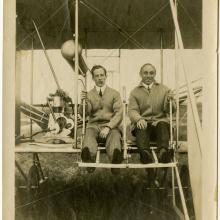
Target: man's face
{"type": "Point", "coordinates": [148, 74]}
{"type": "Point", "coordinates": [99, 77]}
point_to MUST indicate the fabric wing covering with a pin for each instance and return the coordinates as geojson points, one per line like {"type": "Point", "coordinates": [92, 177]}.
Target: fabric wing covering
{"type": "Point", "coordinates": [109, 24]}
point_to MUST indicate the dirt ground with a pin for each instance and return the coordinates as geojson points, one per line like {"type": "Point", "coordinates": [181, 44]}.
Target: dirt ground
{"type": "Point", "coordinates": [71, 193]}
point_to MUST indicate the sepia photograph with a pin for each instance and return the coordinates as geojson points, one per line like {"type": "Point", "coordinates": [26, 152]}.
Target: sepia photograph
{"type": "Point", "coordinates": [110, 110]}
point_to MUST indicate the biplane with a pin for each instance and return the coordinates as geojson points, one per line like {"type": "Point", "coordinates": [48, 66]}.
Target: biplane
{"type": "Point", "coordinates": [117, 25]}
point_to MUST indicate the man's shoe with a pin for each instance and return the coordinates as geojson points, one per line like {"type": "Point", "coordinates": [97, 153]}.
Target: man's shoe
{"type": "Point", "coordinates": [116, 159]}
{"type": "Point", "coordinates": [146, 157]}
{"type": "Point", "coordinates": [86, 157]}
{"type": "Point", "coordinates": [164, 155]}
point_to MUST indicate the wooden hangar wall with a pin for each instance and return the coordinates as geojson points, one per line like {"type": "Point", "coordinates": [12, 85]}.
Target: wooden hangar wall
{"type": "Point", "coordinates": [43, 82]}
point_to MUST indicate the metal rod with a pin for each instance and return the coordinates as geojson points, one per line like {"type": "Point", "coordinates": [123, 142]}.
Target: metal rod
{"type": "Point", "coordinates": [76, 70]}
{"type": "Point", "coordinates": [119, 67]}
{"type": "Point", "coordinates": [34, 119]}
{"type": "Point", "coordinates": [47, 57]}
{"type": "Point", "coordinates": [34, 113]}
{"type": "Point", "coordinates": [173, 186]}
{"type": "Point", "coordinates": [125, 150]}
{"type": "Point", "coordinates": [84, 112]}
{"type": "Point", "coordinates": [85, 89]}
{"type": "Point", "coordinates": [188, 80]}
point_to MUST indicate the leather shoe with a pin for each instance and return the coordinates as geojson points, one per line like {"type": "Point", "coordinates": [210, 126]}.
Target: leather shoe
{"type": "Point", "coordinates": [146, 157]}
{"type": "Point", "coordinates": [116, 159]}
{"type": "Point", "coordinates": [86, 157]}
{"type": "Point", "coordinates": [164, 155]}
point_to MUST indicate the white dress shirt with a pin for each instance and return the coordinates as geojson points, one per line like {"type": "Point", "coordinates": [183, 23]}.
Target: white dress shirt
{"type": "Point", "coordinates": [148, 86]}
{"type": "Point", "coordinates": [102, 89]}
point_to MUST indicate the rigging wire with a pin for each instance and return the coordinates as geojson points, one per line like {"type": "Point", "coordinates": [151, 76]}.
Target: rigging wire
{"type": "Point", "coordinates": [112, 23]}
{"type": "Point", "coordinates": [64, 24]}
{"type": "Point", "coordinates": [147, 205]}
{"type": "Point", "coordinates": [139, 29]}
{"type": "Point", "coordinates": [48, 196]}
{"type": "Point", "coordinates": [40, 26]}
{"type": "Point", "coordinates": [61, 30]}
{"type": "Point", "coordinates": [190, 17]}
{"type": "Point", "coordinates": [71, 188]}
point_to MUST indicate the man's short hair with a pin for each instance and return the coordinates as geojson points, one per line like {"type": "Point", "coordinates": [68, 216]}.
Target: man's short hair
{"type": "Point", "coordinates": [95, 67]}
{"type": "Point", "coordinates": [148, 64]}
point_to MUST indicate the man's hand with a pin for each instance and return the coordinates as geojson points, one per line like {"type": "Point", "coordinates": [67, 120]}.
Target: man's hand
{"type": "Point", "coordinates": [83, 95]}
{"type": "Point", "coordinates": [170, 95]}
{"type": "Point", "coordinates": [104, 132]}
{"type": "Point", "coordinates": [142, 124]}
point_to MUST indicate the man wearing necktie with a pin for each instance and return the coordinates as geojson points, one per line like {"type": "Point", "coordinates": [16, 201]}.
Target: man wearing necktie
{"type": "Point", "coordinates": [104, 111]}
{"type": "Point", "coordinates": [148, 111]}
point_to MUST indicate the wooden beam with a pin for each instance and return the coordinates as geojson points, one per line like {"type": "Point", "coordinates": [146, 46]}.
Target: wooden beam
{"type": "Point", "coordinates": [76, 70]}
{"type": "Point", "coordinates": [123, 166]}
{"type": "Point", "coordinates": [45, 148]}
{"type": "Point", "coordinates": [187, 77]}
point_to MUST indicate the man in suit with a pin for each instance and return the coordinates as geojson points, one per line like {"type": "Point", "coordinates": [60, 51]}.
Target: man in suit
{"type": "Point", "coordinates": [148, 110]}
{"type": "Point", "coordinates": [104, 109]}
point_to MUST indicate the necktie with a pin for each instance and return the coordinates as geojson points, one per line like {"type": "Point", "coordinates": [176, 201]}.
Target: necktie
{"type": "Point", "coordinates": [148, 88]}
{"type": "Point", "coordinates": [100, 93]}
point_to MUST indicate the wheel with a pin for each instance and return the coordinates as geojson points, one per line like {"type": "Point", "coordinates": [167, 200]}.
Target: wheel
{"type": "Point", "coordinates": [33, 181]}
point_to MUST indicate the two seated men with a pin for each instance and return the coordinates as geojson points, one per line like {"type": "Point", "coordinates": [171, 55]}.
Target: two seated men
{"type": "Point", "coordinates": [147, 109]}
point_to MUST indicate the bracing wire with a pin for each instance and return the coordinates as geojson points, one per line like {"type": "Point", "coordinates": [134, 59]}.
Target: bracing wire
{"type": "Point", "coordinates": [40, 26]}
{"type": "Point", "coordinates": [112, 23]}
{"type": "Point", "coordinates": [46, 197]}
{"type": "Point", "coordinates": [61, 30]}
{"type": "Point", "coordinates": [64, 24]}
{"type": "Point", "coordinates": [190, 17]}
{"type": "Point", "coordinates": [139, 29]}
{"type": "Point", "coordinates": [147, 205]}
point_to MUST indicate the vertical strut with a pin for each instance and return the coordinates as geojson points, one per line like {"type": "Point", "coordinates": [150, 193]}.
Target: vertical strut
{"type": "Point", "coordinates": [76, 71]}
{"type": "Point", "coordinates": [188, 80]}
{"type": "Point", "coordinates": [31, 86]}
{"type": "Point", "coordinates": [177, 81]}
{"type": "Point", "coordinates": [125, 150]}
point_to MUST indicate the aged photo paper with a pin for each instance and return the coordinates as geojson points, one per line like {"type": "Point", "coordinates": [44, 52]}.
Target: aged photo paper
{"type": "Point", "coordinates": [110, 109]}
